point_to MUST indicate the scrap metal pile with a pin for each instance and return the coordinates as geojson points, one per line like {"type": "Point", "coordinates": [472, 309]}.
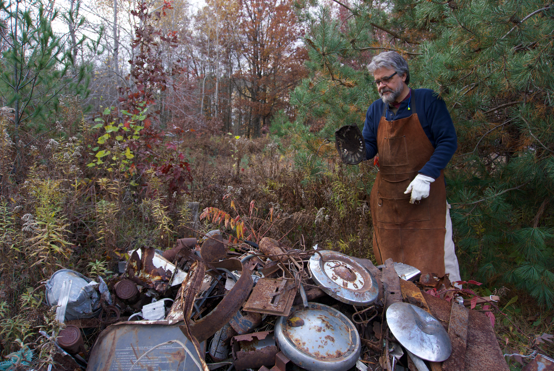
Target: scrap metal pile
{"type": "Point", "coordinates": [200, 306]}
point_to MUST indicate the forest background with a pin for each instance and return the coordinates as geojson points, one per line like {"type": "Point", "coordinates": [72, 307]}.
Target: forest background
{"type": "Point", "coordinates": [117, 114]}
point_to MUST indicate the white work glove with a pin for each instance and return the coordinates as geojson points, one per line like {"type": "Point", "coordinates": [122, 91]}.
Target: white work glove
{"type": "Point", "coordinates": [419, 187]}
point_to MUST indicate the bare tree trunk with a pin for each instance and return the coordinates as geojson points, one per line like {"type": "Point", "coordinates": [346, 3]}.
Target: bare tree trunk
{"type": "Point", "coordinates": [72, 35]}
{"type": "Point", "coordinates": [115, 41]}
{"type": "Point", "coordinates": [216, 61]}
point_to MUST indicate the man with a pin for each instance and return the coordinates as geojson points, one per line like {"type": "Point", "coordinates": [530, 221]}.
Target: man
{"type": "Point", "coordinates": [413, 134]}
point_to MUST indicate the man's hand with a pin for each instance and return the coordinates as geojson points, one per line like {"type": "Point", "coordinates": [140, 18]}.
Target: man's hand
{"type": "Point", "coordinates": [419, 187]}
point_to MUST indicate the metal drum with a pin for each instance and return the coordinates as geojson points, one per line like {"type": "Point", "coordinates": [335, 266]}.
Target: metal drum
{"type": "Point", "coordinates": [318, 338]}
{"type": "Point", "coordinates": [342, 278]}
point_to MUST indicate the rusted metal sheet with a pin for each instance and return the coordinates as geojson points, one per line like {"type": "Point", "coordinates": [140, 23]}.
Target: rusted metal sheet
{"type": "Point", "coordinates": [540, 363]}
{"type": "Point", "coordinates": [143, 346]}
{"type": "Point", "coordinates": [271, 248]}
{"type": "Point", "coordinates": [228, 306]}
{"type": "Point", "coordinates": [281, 362]}
{"type": "Point", "coordinates": [183, 243]}
{"type": "Point", "coordinates": [482, 351]}
{"type": "Point", "coordinates": [272, 296]}
{"type": "Point", "coordinates": [391, 284]}
{"type": "Point", "coordinates": [213, 249]}
{"type": "Point", "coordinates": [411, 294]}
{"type": "Point", "coordinates": [457, 331]}
{"type": "Point", "coordinates": [254, 350]}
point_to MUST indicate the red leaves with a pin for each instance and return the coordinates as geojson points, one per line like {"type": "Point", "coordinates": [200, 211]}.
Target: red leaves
{"type": "Point", "coordinates": [474, 302]}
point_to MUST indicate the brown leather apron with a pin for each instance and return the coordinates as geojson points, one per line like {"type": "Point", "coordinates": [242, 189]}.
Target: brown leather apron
{"type": "Point", "coordinates": [408, 233]}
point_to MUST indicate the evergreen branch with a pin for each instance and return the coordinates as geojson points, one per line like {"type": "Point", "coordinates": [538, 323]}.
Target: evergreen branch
{"type": "Point", "coordinates": [381, 48]}
{"type": "Point", "coordinates": [494, 196]}
{"type": "Point", "coordinates": [461, 25]}
{"type": "Point", "coordinates": [28, 100]}
{"type": "Point", "coordinates": [394, 34]}
{"type": "Point", "coordinates": [488, 132]}
{"type": "Point", "coordinates": [503, 106]}
{"type": "Point", "coordinates": [537, 217]}
{"type": "Point", "coordinates": [537, 139]}
{"type": "Point", "coordinates": [526, 18]}
{"type": "Point", "coordinates": [343, 5]}
{"type": "Point", "coordinates": [7, 82]}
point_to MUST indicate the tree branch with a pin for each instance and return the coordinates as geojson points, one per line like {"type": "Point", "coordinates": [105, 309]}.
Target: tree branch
{"type": "Point", "coordinates": [382, 48]}
{"type": "Point", "coordinates": [503, 106]}
{"type": "Point", "coordinates": [526, 18]}
{"type": "Point", "coordinates": [496, 195]}
{"type": "Point", "coordinates": [488, 132]}
{"type": "Point", "coordinates": [393, 34]}
{"type": "Point", "coordinates": [343, 5]}
{"type": "Point", "coordinates": [537, 139]}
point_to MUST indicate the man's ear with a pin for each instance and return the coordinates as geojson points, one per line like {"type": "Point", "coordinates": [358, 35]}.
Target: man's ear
{"type": "Point", "coordinates": [404, 76]}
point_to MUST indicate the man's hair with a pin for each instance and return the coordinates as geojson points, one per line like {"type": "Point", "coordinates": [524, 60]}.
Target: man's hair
{"type": "Point", "coordinates": [390, 60]}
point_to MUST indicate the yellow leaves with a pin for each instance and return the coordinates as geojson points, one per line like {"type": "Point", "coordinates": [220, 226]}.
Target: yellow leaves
{"type": "Point", "coordinates": [128, 154]}
{"type": "Point", "coordinates": [218, 216]}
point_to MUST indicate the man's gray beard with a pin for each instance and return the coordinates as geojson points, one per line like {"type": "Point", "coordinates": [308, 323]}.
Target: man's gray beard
{"type": "Point", "coordinates": [390, 99]}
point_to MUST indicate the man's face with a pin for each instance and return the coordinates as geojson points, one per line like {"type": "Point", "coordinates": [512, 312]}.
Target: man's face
{"type": "Point", "coordinates": [389, 90]}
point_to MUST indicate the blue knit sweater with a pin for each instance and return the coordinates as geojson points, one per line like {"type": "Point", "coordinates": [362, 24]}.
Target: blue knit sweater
{"type": "Point", "coordinates": [435, 120]}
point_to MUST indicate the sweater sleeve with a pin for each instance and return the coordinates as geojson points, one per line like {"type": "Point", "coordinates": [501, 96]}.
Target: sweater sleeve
{"type": "Point", "coordinates": [370, 132]}
{"type": "Point", "coordinates": [443, 134]}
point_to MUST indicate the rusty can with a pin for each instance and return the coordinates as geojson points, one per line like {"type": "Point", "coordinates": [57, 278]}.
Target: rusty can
{"type": "Point", "coordinates": [243, 323]}
{"type": "Point", "coordinates": [219, 348]}
{"type": "Point", "coordinates": [71, 340]}
{"type": "Point", "coordinates": [127, 290]}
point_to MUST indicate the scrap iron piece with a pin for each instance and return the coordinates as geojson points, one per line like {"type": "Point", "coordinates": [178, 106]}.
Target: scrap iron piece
{"type": "Point", "coordinates": [192, 288]}
{"type": "Point", "coordinates": [228, 306]}
{"type": "Point", "coordinates": [244, 323]}
{"type": "Point", "coordinates": [457, 330]}
{"type": "Point", "coordinates": [319, 338]}
{"type": "Point", "coordinates": [272, 296]}
{"type": "Point", "coordinates": [419, 332]}
{"type": "Point", "coordinates": [411, 294]}
{"type": "Point", "coordinates": [271, 248]}
{"type": "Point", "coordinates": [391, 284]}
{"type": "Point", "coordinates": [213, 249]}
{"type": "Point", "coordinates": [183, 243]}
{"type": "Point", "coordinates": [342, 278]}
{"type": "Point", "coordinates": [254, 350]}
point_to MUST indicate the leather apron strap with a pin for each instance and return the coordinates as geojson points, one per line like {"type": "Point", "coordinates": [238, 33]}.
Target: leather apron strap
{"type": "Point", "coordinates": [408, 233]}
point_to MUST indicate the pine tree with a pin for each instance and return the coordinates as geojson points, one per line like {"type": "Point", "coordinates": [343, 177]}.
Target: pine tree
{"type": "Point", "coordinates": [491, 61]}
{"type": "Point", "coordinates": [38, 66]}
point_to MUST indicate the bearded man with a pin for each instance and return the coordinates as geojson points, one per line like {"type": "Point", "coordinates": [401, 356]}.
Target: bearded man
{"type": "Point", "coordinates": [414, 136]}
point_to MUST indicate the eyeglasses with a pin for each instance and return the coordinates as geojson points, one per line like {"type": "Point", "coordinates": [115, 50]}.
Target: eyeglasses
{"type": "Point", "coordinates": [385, 79]}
